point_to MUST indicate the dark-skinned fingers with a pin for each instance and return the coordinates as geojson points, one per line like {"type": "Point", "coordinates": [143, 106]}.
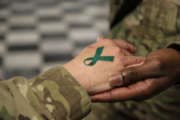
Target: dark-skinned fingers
{"type": "Point", "coordinates": [102, 87]}
{"type": "Point", "coordinates": [147, 89]}
{"type": "Point", "coordinates": [110, 96]}
{"type": "Point", "coordinates": [162, 83]}
{"type": "Point", "coordinates": [147, 70]}
{"type": "Point", "coordinates": [126, 61]}
{"type": "Point", "coordinates": [136, 73]}
{"type": "Point", "coordinates": [140, 91]}
{"type": "Point", "coordinates": [121, 94]}
{"type": "Point", "coordinates": [153, 87]}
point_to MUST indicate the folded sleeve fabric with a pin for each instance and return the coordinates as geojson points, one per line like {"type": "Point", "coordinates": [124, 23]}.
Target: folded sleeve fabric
{"type": "Point", "coordinates": [53, 95]}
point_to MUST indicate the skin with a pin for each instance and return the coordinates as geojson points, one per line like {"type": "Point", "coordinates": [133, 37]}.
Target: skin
{"type": "Point", "coordinates": [160, 70]}
{"type": "Point", "coordinates": [96, 78]}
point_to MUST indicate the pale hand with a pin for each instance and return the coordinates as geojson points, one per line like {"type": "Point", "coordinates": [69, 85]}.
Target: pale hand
{"type": "Point", "coordinates": [97, 78]}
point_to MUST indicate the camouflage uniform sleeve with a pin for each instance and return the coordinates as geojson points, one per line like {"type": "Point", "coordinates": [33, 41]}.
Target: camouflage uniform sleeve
{"type": "Point", "coordinates": [120, 9]}
{"type": "Point", "coordinates": [155, 24]}
{"type": "Point", "coordinates": [53, 95]}
{"type": "Point", "coordinates": [115, 5]}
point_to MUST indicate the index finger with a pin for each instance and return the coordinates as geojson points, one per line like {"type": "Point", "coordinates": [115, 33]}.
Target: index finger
{"type": "Point", "coordinates": [149, 69]}
{"type": "Point", "coordinates": [121, 94]}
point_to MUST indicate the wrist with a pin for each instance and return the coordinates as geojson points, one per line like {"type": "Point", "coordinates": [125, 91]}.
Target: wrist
{"type": "Point", "coordinates": [77, 73]}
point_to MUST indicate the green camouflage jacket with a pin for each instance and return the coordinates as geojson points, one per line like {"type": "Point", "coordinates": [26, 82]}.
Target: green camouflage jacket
{"type": "Point", "coordinates": [53, 95]}
{"type": "Point", "coordinates": [149, 25]}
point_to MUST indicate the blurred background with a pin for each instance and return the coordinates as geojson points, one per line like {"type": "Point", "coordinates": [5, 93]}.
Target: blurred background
{"type": "Point", "coordinates": [36, 35]}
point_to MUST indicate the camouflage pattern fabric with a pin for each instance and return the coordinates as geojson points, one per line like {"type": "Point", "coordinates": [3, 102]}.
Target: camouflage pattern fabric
{"type": "Point", "coordinates": [54, 95]}
{"type": "Point", "coordinates": [115, 6]}
{"type": "Point", "coordinates": [153, 25]}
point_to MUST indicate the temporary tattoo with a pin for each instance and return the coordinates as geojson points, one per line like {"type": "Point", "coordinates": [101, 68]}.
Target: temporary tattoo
{"type": "Point", "coordinates": [97, 57]}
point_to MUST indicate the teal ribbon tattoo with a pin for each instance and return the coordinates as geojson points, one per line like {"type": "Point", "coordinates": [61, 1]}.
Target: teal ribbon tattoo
{"type": "Point", "coordinates": [97, 57]}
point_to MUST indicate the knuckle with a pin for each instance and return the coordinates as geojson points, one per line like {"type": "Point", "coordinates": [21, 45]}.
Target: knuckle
{"type": "Point", "coordinates": [157, 63]}
{"type": "Point", "coordinates": [126, 45]}
{"type": "Point", "coordinates": [108, 41]}
{"type": "Point", "coordinates": [126, 53]}
{"type": "Point", "coordinates": [123, 52]}
{"type": "Point", "coordinates": [138, 60]}
{"type": "Point", "coordinates": [117, 50]}
{"type": "Point", "coordinates": [121, 59]}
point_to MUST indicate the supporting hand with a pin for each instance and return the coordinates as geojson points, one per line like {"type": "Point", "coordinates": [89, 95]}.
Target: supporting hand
{"type": "Point", "coordinates": [160, 70]}
{"type": "Point", "coordinates": [96, 78]}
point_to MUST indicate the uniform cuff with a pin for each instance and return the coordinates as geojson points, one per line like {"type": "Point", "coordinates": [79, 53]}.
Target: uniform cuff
{"type": "Point", "coordinates": [74, 93]}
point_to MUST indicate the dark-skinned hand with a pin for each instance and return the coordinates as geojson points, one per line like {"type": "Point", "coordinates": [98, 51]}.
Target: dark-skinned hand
{"type": "Point", "coordinates": [160, 70]}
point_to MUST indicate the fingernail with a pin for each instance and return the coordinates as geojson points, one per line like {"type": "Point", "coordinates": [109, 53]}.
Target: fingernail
{"type": "Point", "coordinates": [116, 81]}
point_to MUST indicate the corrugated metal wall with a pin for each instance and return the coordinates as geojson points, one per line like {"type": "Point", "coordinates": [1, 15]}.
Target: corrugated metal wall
{"type": "Point", "coordinates": [38, 34]}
